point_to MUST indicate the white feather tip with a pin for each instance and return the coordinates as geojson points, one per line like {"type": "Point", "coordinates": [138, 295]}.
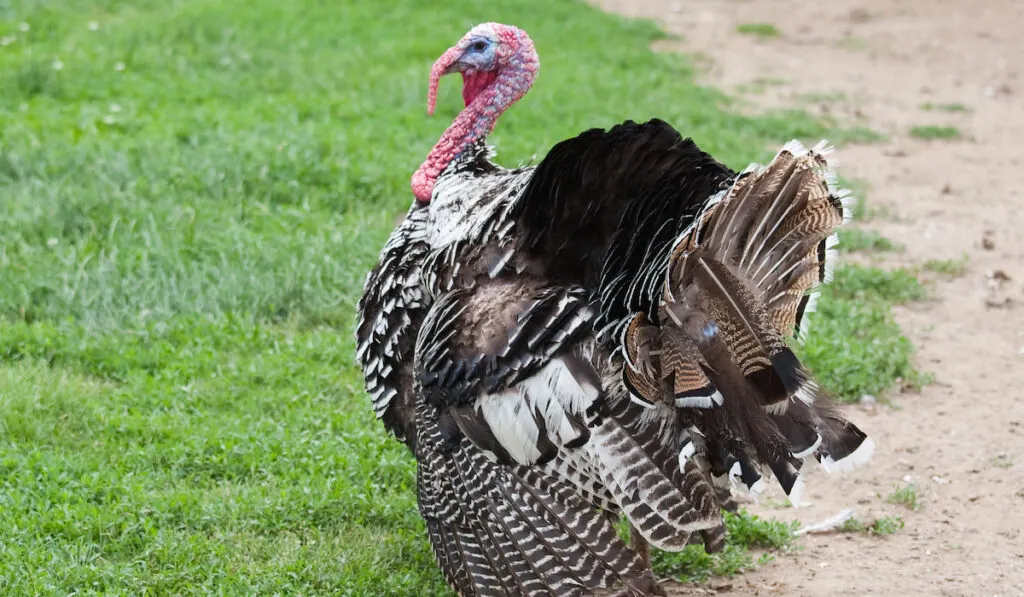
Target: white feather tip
{"type": "Point", "coordinates": [714, 399]}
{"type": "Point", "coordinates": [806, 392]}
{"type": "Point", "coordinates": [808, 451]}
{"type": "Point", "coordinates": [797, 492]}
{"type": "Point", "coordinates": [811, 307]}
{"type": "Point", "coordinates": [858, 457]}
{"type": "Point", "coordinates": [685, 454]}
{"type": "Point", "coordinates": [793, 147]}
{"type": "Point", "coordinates": [757, 488]}
{"type": "Point", "coordinates": [638, 400]}
{"type": "Point", "coordinates": [823, 148]}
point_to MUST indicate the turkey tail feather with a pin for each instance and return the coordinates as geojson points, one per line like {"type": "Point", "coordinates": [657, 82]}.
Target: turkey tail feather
{"type": "Point", "coordinates": [737, 284]}
{"type": "Point", "coordinates": [776, 226]}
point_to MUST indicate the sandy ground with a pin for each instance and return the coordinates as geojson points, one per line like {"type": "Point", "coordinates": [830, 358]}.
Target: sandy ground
{"type": "Point", "coordinates": [961, 439]}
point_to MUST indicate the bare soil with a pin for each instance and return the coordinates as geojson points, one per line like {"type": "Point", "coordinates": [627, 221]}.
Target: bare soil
{"type": "Point", "coordinates": [961, 439]}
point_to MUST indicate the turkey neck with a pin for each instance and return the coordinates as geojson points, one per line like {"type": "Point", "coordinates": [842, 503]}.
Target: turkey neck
{"type": "Point", "coordinates": [475, 122]}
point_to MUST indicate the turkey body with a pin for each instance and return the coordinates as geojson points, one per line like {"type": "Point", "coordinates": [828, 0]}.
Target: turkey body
{"type": "Point", "coordinates": [597, 336]}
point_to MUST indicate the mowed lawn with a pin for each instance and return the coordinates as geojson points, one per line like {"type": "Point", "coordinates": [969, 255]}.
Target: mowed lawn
{"type": "Point", "coordinates": [191, 192]}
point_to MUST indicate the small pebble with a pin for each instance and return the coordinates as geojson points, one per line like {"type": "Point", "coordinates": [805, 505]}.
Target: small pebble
{"type": "Point", "coordinates": [998, 276]}
{"type": "Point", "coordinates": [860, 15]}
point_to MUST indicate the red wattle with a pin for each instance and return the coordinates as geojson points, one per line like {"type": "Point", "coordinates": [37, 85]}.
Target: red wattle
{"type": "Point", "coordinates": [475, 82]}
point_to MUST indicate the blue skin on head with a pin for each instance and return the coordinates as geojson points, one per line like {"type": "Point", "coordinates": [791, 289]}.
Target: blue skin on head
{"type": "Point", "coordinates": [479, 53]}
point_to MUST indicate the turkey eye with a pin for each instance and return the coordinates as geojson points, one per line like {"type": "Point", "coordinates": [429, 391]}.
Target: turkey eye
{"type": "Point", "coordinates": [479, 46]}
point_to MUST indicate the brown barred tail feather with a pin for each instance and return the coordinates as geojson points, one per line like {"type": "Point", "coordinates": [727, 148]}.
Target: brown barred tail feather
{"type": "Point", "coordinates": [776, 226]}
{"type": "Point", "coordinates": [738, 283]}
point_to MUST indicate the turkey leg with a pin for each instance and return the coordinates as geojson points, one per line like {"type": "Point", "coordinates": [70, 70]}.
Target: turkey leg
{"type": "Point", "coordinates": [645, 585]}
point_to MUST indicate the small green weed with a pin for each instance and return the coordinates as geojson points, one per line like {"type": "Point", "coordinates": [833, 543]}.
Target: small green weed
{"type": "Point", "coordinates": [953, 268]}
{"type": "Point", "coordinates": [934, 132]}
{"type": "Point", "coordinates": [855, 134]}
{"type": "Point", "coordinates": [760, 30]}
{"type": "Point", "coordinates": [822, 97]}
{"type": "Point", "coordinates": [862, 239]}
{"type": "Point", "coordinates": [760, 84]}
{"type": "Point", "coordinates": [852, 42]}
{"type": "Point", "coordinates": [952, 107]}
{"type": "Point", "coordinates": [745, 531]}
{"type": "Point", "coordinates": [886, 525]}
{"type": "Point", "coordinates": [1003, 461]}
{"type": "Point", "coordinates": [906, 496]}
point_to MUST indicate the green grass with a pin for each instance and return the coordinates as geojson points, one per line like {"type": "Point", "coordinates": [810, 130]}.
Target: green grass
{"type": "Point", "coordinates": [854, 134]}
{"type": "Point", "coordinates": [858, 188]}
{"type": "Point", "coordinates": [886, 525]}
{"type": "Point", "coordinates": [745, 532]}
{"type": "Point", "coordinates": [951, 107]}
{"type": "Point", "coordinates": [852, 43]}
{"type": "Point", "coordinates": [760, 85]}
{"type": "Point", "coordinates": [864, 240]}
{"type": "Point", "coordinates": [760, 30]}
{"type": "Point", "coordinates": [934, 132]}
{"type": "Point", "coordinates": [189, 205]}
{"type": "Point", "coordinates": [855, 347]}
{"type": "Point", "coordinates": [905, 496]}
{"type": "Point", "coordinates": [953, 268]}
{"type": "Point", "coordinates": [822, 97]}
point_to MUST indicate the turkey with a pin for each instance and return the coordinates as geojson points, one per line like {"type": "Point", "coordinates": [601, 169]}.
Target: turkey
{"type": "Point", "coordinates": [605, 334]}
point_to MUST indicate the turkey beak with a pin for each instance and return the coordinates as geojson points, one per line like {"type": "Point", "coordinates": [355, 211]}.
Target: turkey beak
{"type": "Point", "coordinates": [447, 64]}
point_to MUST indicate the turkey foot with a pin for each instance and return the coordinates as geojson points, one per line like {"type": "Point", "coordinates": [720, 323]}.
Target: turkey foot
{"type": "Point", "coordinates": [645, 585]}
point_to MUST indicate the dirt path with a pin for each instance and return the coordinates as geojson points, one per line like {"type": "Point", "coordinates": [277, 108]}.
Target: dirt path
{"type": "Point", "coordinates": [961, 440]}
